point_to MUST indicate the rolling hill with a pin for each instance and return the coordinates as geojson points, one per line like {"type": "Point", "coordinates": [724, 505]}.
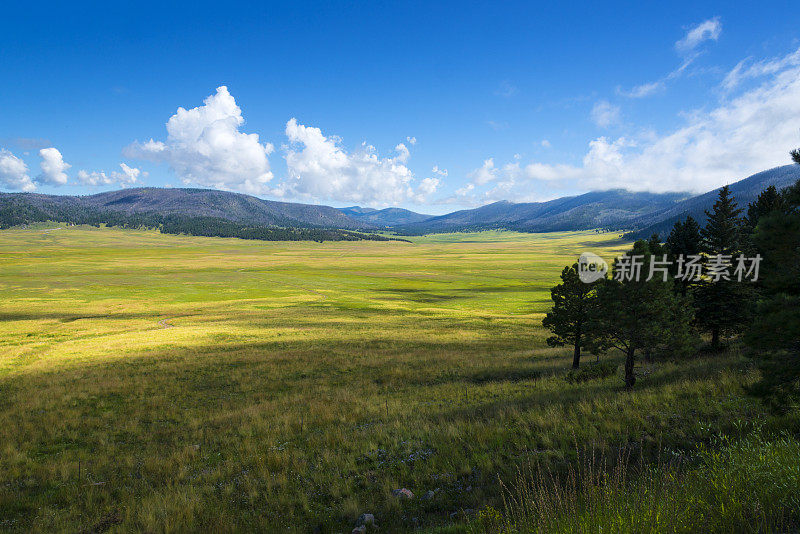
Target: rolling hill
{"type": "Point", "coordinates": [388, 217]}
{"type": "Point", "coordinates": [235, 207]}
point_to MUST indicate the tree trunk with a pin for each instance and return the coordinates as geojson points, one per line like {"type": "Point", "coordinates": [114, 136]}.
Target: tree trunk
{"type": "Point", "coordinates": [715, 338]}
{"type": "Point", "coordinates": [576, 356]}
{"type": "Point", "coordinates": [630, 377]}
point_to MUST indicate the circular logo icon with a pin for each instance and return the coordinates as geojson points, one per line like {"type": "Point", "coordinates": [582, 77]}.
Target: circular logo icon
{"type": "Point", "coordinates": [591, 267]}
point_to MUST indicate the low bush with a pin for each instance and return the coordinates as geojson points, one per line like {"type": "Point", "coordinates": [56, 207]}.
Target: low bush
{"type": "Point", "coordinates": [593, 371]}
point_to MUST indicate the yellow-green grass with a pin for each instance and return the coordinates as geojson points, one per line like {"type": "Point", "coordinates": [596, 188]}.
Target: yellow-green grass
{"type": "Point", "coordinates": [169, 383]}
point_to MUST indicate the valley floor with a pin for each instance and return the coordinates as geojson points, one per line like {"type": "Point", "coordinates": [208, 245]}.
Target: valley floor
{"type": "Point", "coordinates": [163, 383]}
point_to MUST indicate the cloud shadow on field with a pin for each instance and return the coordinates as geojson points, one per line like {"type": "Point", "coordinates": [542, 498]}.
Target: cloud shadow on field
{"type": "Point", "coordinates": [71, 317]}
{"type": "Point", "coordinates": [422, 296]}
{"type": "Point", "coordinates": [428, 295]}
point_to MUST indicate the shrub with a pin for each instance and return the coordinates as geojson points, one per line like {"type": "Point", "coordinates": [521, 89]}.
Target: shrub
{"type": "Point", "coordinates": [594, 371]}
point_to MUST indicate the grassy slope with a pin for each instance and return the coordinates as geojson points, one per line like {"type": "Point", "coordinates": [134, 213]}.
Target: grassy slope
{"type": "Point", "coordinates": [169, 383]}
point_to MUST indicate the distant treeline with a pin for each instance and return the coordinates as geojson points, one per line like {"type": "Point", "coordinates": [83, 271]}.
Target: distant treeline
{"type": "Point", "coordinates": [16, 211]}
{"type": "Point", "coordinates": [216, 227]}
{"type": "Point", "coordinates": [411, 230]}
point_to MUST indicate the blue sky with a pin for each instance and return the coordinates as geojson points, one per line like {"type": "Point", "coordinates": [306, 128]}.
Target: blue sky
{"type": "Point", "coordinates": [431, 107]}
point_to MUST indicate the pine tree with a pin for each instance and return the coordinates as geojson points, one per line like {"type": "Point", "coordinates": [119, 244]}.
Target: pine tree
{"type": "Point", "coordinates": [774, 335]}
{"type": "Point", "coordinates": [768, 201]}
{"type": "Point", "coordinates": [635, 315]}
{"type": "Point", "coordinates": [655, 246]}
{"type": "Point", "coordinates": [567, 320]}
{"type": "Point", "coordinates": [722, 233]}
{"type": "Point", "coordinates": [722, 306]}
{"type": "Point", "coordinates": [684, 241]}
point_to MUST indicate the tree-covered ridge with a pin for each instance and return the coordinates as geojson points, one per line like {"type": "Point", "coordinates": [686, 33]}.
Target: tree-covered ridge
{"type": "Point", "coordinates": [16, 210]}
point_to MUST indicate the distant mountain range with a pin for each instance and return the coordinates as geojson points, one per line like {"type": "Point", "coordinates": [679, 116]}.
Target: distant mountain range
{"type": "Point", "coordinates": [640, 214]}
{"type": "Point", "coordinates": [744, 191]}
{"type": "Point", "coordinates": [592, 210]}
{"type": "Point", "coordinates": [389, 217]}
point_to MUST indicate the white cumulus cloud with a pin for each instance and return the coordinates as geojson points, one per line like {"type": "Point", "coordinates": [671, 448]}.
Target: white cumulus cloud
{"type": "Point", "coordinates": [205, 146]}
{"type": "Point", "coordinates": [127, 177]}
{"type": "Point", "coordinates": [14, 172]}
{"type": "Point", "coordinates": [485, 173]}
{"type": "Point", "coordinates": [53, 167]}
{"type": "Point", "coordinates": [320, 169]}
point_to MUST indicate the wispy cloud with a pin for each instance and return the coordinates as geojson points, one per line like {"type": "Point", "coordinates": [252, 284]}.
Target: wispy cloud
{"type": "Point", "coordinates": [747, 69]}
{"type": "Point", "coordinates": [688, 48]}
{"type": "Point", "coordinates": [642, 91]}
{"type": "Point", "coordinates": [708, 30]}
{"type": "Point", "coordinates": [605, 114]}
{"type": "Point", "coordinates": [506, 89]}
{"type": "Point", "coordinates": [28, 143]}
{"type": "Point", "coordinates": [745, 133]}
{"type": "Point", "coordinates": [497, 126]}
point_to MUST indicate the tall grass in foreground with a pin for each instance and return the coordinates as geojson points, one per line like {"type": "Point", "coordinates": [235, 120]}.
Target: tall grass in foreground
{"type": "Point", "coordinates": [749, 485]}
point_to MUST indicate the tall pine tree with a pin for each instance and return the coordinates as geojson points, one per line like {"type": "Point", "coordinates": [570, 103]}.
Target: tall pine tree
{"type": "Point", "coordinates": [768, 201]}
{"type": "Point", "coordinates": [723, 231]}
{"type": "Point", "coordinates": [722, 306]}
{"type": "Point", "coordinates": [684, 241]}
{"type": "Point", "coordinates": [572, 301]}
{"type": "Point", "coordinates": [774, 336]}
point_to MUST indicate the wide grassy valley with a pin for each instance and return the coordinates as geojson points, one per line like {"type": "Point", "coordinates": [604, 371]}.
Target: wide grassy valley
{"type": "Point", "coordinates": [164, 383]}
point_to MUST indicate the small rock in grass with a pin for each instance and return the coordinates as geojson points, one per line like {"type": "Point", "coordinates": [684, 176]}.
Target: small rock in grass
{"type": "Point", "coordinates": [430, 494]}
{"type": "Point", "coordinates": [403, 493]}
{"type": "Point", "coordinates": [359, 530]}
{"type": "Point", "coordinates": [366, 519]}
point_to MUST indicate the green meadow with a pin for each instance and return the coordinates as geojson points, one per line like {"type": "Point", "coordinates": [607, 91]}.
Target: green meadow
{"type": "Point", "coordinates": [167, 383]}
